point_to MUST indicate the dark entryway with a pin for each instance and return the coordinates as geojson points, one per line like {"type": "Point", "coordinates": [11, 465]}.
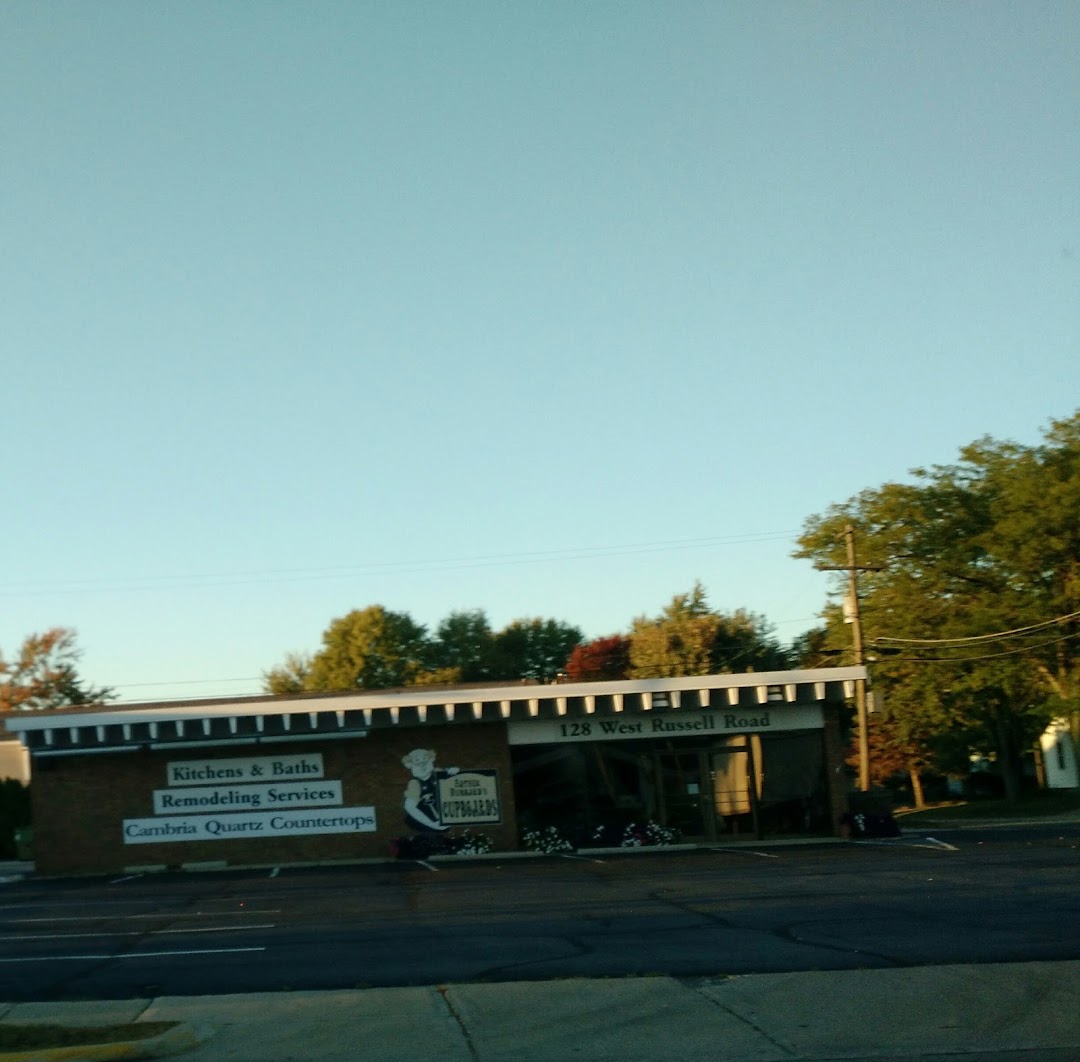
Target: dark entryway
{"type": "Point", "coordinates": [744, 785]}
{"type": "Point", "coordinates": [708, 793]}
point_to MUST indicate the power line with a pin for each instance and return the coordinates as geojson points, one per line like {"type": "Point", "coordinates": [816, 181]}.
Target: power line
{"type": "Point", "coordinates": [986, 656]}
{"type": "Point", "coordinates": [285, 575]}
{"type": "Point", "coordinates": [980, 637]}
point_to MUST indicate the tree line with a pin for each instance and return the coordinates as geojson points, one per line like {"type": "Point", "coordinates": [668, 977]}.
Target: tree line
{"type": "Point", "coordinates": [971, 619]}
{"type": "Point", "coordinates": [376, 648]}
{"type": "Point", "coordinates": [971, 614]}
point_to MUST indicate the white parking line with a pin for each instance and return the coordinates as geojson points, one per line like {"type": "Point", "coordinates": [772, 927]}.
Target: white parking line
{"type": "Point", "coordinates": [274, 873]}
{"type": "Point", "coordinates": [424, 863]}
{"type": "Point", "coordinates": [129, 877]}
{"type": "Point", "coordinates": [135, 933]}
{"type": "Point", "coordinates": [132, 902]}
{"type": "Point", "coordinates": [903, 842]}
{"type": "Point", "coordinates": [131, 955]}
{"type": "Point", "coordinates": [584, 859]}
{"type": "Point", "coordinates": [160, 916]}
{"type": "Point", "coordinates": [746, 851]}
{"type": "Point", "coordinates": [944, 844]}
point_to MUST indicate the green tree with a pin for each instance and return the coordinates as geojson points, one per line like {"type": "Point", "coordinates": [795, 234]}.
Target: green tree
{"type": "Point", "coordinates": [688, 638]}
{"type": "Point", "coordinates": [968, 552]}
{"type": "Point", "coordinates": [677, 642]}
{"type": "Point", "coordinates": [438, 676]}
{"type": "Point", "coordinates": [370, 648]}
{"type": "Point", "coordinates": [44, 674]}
{"type": "Point", "coordinates": [745, 642]}
{"type": "Point", "coordinates": [812, 649]}
{"type": "Point", "coordinates": [291, 676]}
{"type": "Point", "coordinates": [893, 752]}
{"type": "Point", "coordinates": [463, 642]}
{"type": "Point", "coordinates": [535, 649]}
{"type": "Point", "coordinates": [909, 732]}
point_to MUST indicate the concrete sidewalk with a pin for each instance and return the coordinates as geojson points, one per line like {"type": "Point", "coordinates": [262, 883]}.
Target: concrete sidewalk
{"type": "Point", "coordinates": [1028, 1012]}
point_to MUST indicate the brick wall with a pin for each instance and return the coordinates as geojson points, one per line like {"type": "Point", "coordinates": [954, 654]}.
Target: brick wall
{"type": "Point", "coordinates": [80, 802]}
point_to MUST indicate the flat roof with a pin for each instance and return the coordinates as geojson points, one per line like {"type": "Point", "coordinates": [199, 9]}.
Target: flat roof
{"type": "Point", "coordinates": [224, 721]}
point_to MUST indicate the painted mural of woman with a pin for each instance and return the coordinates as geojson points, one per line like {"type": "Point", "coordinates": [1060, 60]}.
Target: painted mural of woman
{"type": "Point", "coordinates": [421, 794]}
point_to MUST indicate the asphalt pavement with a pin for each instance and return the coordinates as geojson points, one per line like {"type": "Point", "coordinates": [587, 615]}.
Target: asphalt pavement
{"type": "Point", "coordinates": [934, 1012]}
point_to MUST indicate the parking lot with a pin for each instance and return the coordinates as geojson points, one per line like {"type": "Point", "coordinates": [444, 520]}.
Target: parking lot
{"type": "Point", "coordinates": [967, 897]}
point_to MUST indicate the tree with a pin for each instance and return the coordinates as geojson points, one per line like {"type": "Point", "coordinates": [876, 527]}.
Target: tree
{"type": "Point", "coordinates": [811, 649]}
{"type": "Point", "coordinates": [893, 752]}
{"type": "Point", "coordinates": [370, 648]}
{"type": "Point", "coordinates": [745, 642]}
{"type": "Point", "coordinates": [677, 642]}
{"type": "Point", "coordinates": [438, 676]}
{"type": "Point", "coordinates": [289, 677]}
{"type": "Point", "coordinates": [906, 732]}
{"type": "Point", "coordinates": [535, 649]}
{"type": "Point", "coordinates": [973, 615]}
{"type": "Point", "coordinates": [463, 642]}
{"type": "Point", "coordinates": [44, 675]}
{"type": "Point", "coordinates": [688, 638]}
{"type": "Point", "coordinates": [602, 659]}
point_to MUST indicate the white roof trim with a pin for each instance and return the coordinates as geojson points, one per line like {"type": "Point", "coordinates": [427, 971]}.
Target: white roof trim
{"type": "Point", "coordinates": [367, 700]}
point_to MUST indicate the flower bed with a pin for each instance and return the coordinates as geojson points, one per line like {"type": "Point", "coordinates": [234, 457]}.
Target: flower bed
{"type": "Point", "coordinates": [634, 835]}
{"type": "Point", "coordinates": [424, 846]}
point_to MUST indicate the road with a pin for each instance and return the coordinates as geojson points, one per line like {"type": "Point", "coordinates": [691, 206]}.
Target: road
{"type": "Point", "coordinates": [970, 896]}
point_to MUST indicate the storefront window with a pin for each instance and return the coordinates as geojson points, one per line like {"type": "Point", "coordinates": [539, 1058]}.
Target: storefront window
{"type": "Point", "coordinates": [741, 785]}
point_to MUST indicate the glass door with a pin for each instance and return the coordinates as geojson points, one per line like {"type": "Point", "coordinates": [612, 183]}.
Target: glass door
{"type": "Point", "coordinates": [736, 785]}
{"type": "Point", "coordinates": [681, 795]}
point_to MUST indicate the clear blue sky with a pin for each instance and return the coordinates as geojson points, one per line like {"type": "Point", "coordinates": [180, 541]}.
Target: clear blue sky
{"type": "Point", "coordinates": [545, 309]}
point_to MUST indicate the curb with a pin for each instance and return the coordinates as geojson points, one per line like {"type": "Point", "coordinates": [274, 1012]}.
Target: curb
{"type": "Point", "coordinates": [173, 1041]}
{"type": "Point", "coordinates": [988, 824]}
{"type": "Point", "coordinates": [217, 866]}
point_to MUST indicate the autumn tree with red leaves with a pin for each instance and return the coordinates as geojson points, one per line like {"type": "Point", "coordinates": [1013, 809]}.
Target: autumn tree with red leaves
{"type": "Point", "coordinates": [44, 675]}
{"type": "Point", "coordinates": [602, 659]}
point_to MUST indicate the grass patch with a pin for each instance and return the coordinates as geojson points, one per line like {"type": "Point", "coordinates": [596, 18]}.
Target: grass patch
{"type": "Point", "coordinates": [17, 1037]}
{"type": "Point", "coordinates": [1035, 805]}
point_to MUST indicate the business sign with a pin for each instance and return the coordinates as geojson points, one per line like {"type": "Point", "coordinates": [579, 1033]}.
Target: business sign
{"type": "Point", "coordinates": [250, 797]}
{"type": "Point", "coordinates": [469, 797]}
{"type": "Point", "coordinates": [235, 827]}
{"type": "Point", "coordinates": [689, 723]}
{"type": "Point", "coordinates": [231, 811]}
{"type": "Point", "coordinates": [247, 769]}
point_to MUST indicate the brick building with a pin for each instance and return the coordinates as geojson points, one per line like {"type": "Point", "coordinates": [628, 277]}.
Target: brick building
{"type": "Point", "coordinates": [287, 780]}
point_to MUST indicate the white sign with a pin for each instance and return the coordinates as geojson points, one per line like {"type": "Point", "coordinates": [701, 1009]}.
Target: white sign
{"type": "Point", "coordinates": [240, 797]}
{"type": "Point", "coordinates": [689, 723]}
{"type": "Point", "coordinates": [248, 769]}
{"type": "Point", "coordinates": [253, 824]}
{"type": "Point", "coordinates": [468, 798]}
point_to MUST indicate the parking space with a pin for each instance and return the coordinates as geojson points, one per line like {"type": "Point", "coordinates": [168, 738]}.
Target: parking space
{"type": "Point", "coordinates": [704, 912]}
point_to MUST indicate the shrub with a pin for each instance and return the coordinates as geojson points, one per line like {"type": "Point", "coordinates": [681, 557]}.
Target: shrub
{"type": "Point", "coordinates": [426, 845]}
{"type": "Point", "coordinates": [634, 835]}
{"type": "Point", "coordinates": [548, 840]}
{"type": "Point", "coordinates": [471, 842]}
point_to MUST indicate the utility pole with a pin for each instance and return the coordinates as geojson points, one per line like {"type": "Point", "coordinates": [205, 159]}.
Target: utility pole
{"type": "Point", "coordinates": [862, 724]}
{"type": "Point", "coordinates": [860, 661]}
